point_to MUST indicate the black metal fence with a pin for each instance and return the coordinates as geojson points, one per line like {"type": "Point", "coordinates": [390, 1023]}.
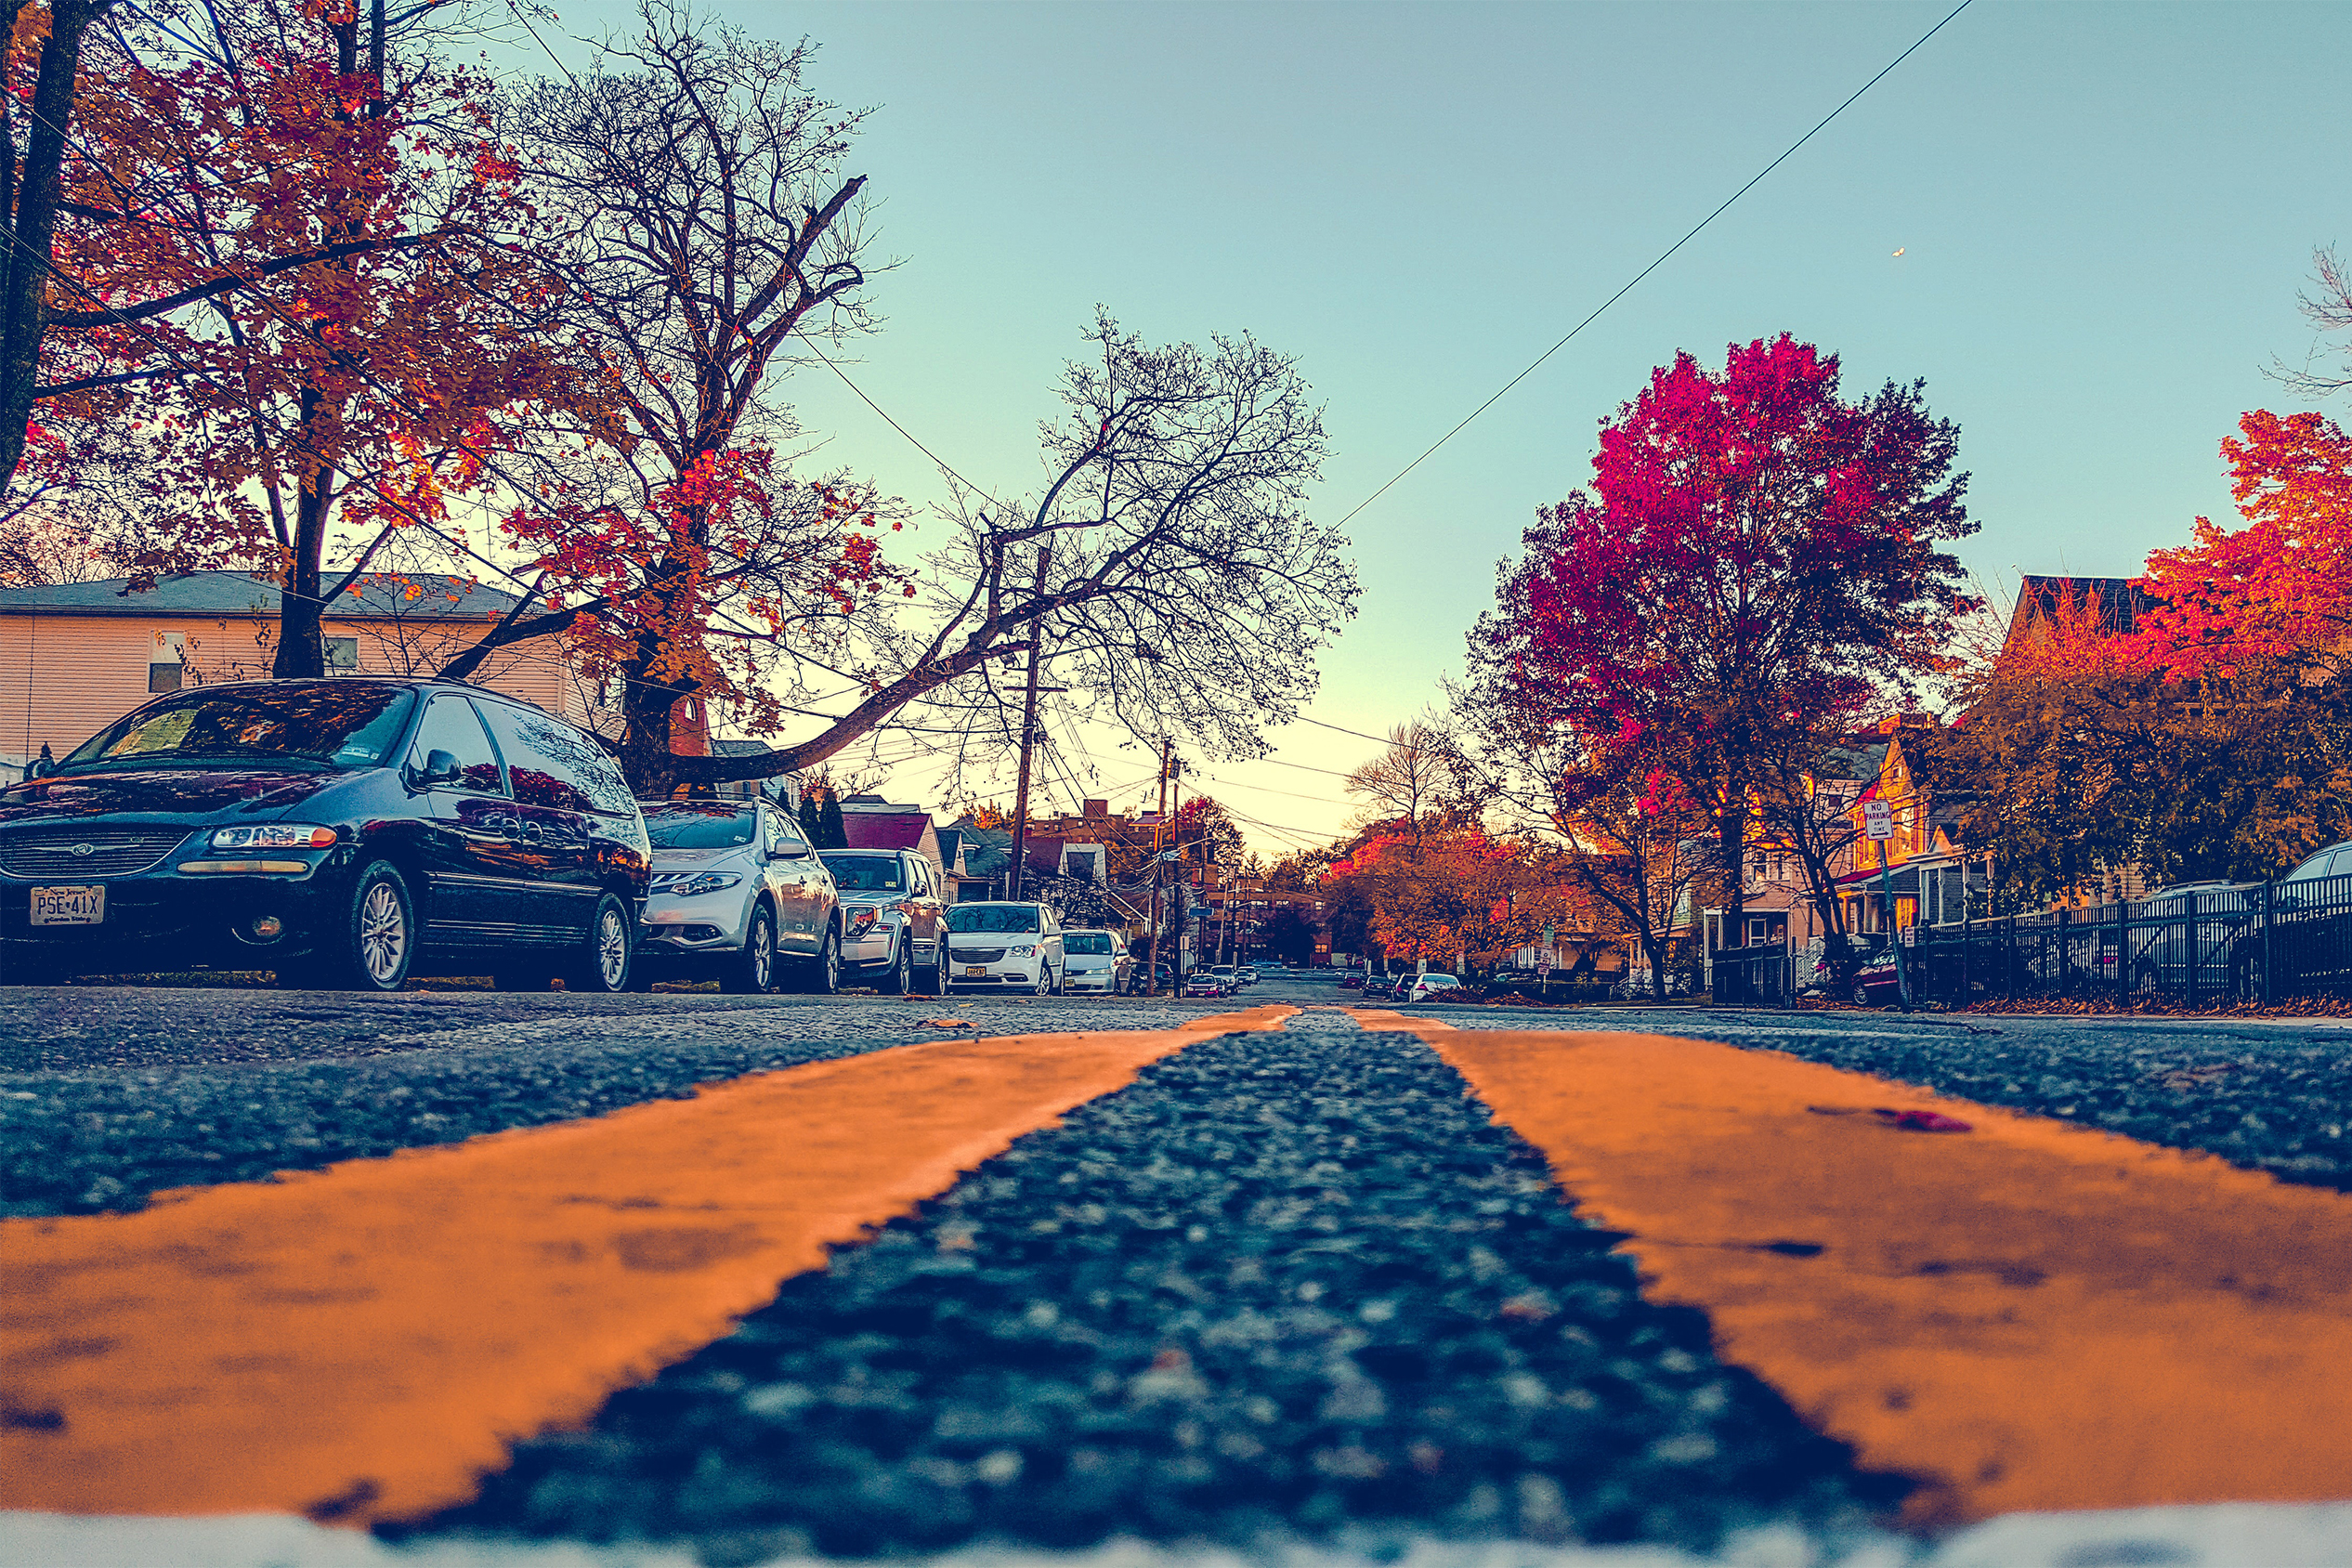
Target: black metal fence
{"type": "Point", "coordinates": [2210, 945]}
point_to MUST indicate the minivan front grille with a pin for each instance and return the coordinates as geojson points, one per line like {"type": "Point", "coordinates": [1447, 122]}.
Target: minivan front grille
{"type": "Point", "coordinates": [975, 955]}
{"type": "Point", "coordinates": [85, 852]}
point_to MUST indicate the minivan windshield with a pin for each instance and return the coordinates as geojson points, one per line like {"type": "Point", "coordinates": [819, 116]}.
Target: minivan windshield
{"type": "Point", "coordinates": [1092, 943]}
{"type": "Point", "coordinates": [344, 724]}
{"type": "Point", "coordinates": [865, 873]}
{"type": "Point", "coordinates": [993, 917]}
{"type": "Point", "coordinates": [700, 825]}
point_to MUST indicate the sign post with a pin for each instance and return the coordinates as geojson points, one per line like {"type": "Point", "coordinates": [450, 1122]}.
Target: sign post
{"type": "Point", "coordinates": [1878, 822]}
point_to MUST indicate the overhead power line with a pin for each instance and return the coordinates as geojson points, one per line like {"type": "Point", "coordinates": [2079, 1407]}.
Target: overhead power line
{"type": "Point", "coordinates": [1664, 256]}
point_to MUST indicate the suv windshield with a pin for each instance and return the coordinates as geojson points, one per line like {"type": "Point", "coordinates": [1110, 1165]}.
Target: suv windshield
{"type": "Point", "coordinates": [700, 825]}
{"type": "Point", "coordinates": [323, 724]}
{"type": "Point", "coordinates": [1094, 944]}
{"type": "Point", "coordinates": [865, 873]}
{"type": "Point", "coordinates": [993, 917]}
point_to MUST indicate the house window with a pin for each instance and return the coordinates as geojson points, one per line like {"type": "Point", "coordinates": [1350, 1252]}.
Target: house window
{"type": "Point", "coordinates": [343, 653]}
{"type": "Point", "coordinates": [165, 665]}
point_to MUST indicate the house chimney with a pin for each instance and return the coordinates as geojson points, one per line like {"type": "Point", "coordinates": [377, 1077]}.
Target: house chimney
{"type": "Point", "coordinates": [1097, 808]}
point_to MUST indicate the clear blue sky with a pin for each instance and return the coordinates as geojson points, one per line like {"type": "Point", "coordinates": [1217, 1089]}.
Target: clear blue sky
{"type": "Point", "coordinates": [2106, 213]}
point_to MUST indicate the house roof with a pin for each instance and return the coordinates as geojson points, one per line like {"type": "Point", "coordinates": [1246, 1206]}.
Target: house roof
{"type": "Point", "coordinates": [877, 829]}
{"type": "Point", "coordinates": [377, 596]}
{"type": "Point", "coordinates": [985, 850]}
{"type": "Point", "coordinates": [2120, 600]}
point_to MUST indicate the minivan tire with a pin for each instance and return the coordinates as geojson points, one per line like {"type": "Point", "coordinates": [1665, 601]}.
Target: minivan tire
{"type": "Point", "coordinates": [371, 943]}
{"type": "Point", "coordinates": [753, 971]}
{"type": "Point", "coordinates": [602, 964]}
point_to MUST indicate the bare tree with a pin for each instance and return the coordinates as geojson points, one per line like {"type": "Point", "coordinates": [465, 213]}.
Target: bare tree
{"type": "Point", "coordinates": [1187, 591]}
{"type": "Point", "coordinates": [1422, 771]}
{"type": "Point", "coordinates": [2327, 307]}
{"type": "Point", "coordinates": [693, 202]}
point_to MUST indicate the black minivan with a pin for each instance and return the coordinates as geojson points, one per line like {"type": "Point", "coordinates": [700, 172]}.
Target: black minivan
{"type": "Point", "coordinates": [342, 833]}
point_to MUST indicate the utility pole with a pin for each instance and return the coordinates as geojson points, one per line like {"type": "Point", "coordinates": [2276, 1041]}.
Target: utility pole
{"type": "Point", "coordinates": [1160, 826]}
{"type": "Point", "coordinates": [1028, 740]}
{"type": "Point", "coordinates": [1176, 882]}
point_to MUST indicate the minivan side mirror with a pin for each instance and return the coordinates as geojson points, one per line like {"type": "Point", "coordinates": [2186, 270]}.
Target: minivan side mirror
{"type": "Point", "coordinates": [440, 767]}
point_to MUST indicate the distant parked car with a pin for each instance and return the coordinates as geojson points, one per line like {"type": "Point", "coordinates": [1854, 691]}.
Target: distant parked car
{"type": "Point", "coordinates": [1432, 987]}
{"type": "Point", "coordinates": [738, 894]}
{"type": "Point", "coordinates": [1352, 980]}
{"type": "Point", "coordinates": [341, 833]}
{"type": "Point", "coordinates": [1247, 973]}
{"type": "Point", "coordinates": [1099, 962]}
{"type": "Point", "coordinates": [1003, 945]}
{"type": "Point", "coordinates": [1205, 982]}
{"type": "Point", "coordinates": [891, 916]}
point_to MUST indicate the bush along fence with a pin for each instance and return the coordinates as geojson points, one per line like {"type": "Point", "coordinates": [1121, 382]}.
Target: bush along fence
{"type": "Point", "coordinates": [2212, 945]}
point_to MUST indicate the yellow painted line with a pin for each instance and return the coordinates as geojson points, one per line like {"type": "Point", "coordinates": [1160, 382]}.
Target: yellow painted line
{"type": "Point", "coordinates": [363, 1342]}
{"type": "Point", "coordinates": [2028, 1315]}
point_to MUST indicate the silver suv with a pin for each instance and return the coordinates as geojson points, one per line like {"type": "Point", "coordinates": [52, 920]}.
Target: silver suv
{"type": "Point", "coordinates": [1003, 945]}
{"type": "Point", "coordinates": [890, 914]}
{"type": "Point", "coordinates": [737, 893]}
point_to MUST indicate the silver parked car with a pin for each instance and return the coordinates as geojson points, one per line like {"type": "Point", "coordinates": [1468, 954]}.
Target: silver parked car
{"type": "Point", "coordinates": [1001, 946]}
{"type": "Point", "coordinates": [737, 893]}
{"type": "Point", "coordinates": [1098, 961]}
{"type": "Point", "coordinates": [891, 914]}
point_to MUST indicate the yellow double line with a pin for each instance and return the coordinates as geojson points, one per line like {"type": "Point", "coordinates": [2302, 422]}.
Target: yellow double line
{"type": "Point", "coordinates": [2024, 1315]}
{"type": "Point", "coordinates": [363, 1342]}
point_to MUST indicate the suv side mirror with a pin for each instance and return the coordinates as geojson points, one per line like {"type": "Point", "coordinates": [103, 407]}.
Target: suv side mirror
{"type": "Point", "coordinates": [440, 767]}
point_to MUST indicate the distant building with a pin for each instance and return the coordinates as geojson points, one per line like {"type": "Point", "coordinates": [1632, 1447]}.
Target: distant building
{"type": "Point", "coordinates": [75, 657]}
{"type": "Point", "coordinates": [870, 822]}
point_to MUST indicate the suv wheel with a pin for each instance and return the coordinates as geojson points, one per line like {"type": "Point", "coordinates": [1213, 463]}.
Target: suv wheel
{"type": "Point", "coordinates": [753, 971]}
{"type": "Point", "coordinates": [901, 979]}
{"type": "Point", "coordinates": [822, 976]}
{"type": "Point", "coordinates": [371, 946]}
{"type": "Point", "coordinates": [602, 964]}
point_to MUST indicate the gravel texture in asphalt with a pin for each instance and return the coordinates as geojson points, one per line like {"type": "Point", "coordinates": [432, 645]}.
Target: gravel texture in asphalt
{"type": "Point", "coordinates": [1284, 1282]}
{"type": "Point", "coordinates": [2268, 1096]}
{"type": "Point", "coordinates": [107, 1096]}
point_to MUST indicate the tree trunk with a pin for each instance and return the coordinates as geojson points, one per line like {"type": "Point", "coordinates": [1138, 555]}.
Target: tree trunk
{"type": "Point", "coordinates": [1731, 845]}
{"type": "Point", "coordinates": [302, 648]}
{"type": "Point", "coordinates": [33, 219]}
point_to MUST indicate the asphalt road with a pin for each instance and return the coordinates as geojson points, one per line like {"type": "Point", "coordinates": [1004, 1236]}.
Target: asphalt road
{"type": "Point", "coordinates": [1293, 1283]}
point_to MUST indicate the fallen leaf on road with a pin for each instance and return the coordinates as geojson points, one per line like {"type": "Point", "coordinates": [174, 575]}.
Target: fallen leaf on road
{"type": "Point", "coordinates": [1920, 1121]}
{"type": "Point", "coordinates": [949, 1023]}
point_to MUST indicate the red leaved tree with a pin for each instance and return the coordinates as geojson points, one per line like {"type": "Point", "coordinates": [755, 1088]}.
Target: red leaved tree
{"type": "Point", "coordinates": [1758, 557]}
{"type": "Point", "coordinates": [2278, 589]}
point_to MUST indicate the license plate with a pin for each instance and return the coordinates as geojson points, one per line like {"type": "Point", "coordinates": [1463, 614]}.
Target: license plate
{"type": "Point", "coordinates": [69, 905]}
{"type": "Point", "coordinates": [975, 969]}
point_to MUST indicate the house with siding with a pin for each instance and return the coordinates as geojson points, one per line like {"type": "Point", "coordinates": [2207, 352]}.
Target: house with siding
{"type": "Point", "coordinates": [74, 657]}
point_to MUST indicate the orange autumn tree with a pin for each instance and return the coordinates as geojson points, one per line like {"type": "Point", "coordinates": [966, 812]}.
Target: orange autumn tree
{"type": "Point", "coordinates": [312, 320]}
{"type": "Point", "coordinates": [2277, 590]}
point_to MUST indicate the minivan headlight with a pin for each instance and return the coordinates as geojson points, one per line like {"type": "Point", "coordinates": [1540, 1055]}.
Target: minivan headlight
{"type": "Point", "coordinates": [273, 836]}
{"type": "Point", "coordinates": [692, 886]}
{"type": "Point", "coordinates": [1030, 951]}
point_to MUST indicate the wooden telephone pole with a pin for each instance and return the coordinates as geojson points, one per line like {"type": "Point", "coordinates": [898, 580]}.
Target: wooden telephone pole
{"type": "Point", "coordinates": [1028, 741]}
{"type": "Point", "coordinates": [1160, 826]}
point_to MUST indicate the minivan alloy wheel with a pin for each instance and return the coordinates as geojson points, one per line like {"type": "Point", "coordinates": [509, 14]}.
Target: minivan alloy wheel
{"type": "Point", "coordinates": [384, 934]}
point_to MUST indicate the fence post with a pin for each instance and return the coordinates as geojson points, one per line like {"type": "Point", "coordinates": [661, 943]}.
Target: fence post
{"type": "Point", "coordinates": [2122, 959]}
{"type": "Point", "coordinates": [2190, 945]}
{"type": "Point", "coordinates": [2065, 959]}
{"type": "Point", "coordinates": [2266, 889]}
{"type": "Point", "coordinates": [1967, 941]}
{"type": "Point", "coordinates": [2009, 956]}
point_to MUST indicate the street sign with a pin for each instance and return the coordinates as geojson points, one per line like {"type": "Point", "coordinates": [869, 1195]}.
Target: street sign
{"type": "Point", "coordinates": [1878, 819]}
